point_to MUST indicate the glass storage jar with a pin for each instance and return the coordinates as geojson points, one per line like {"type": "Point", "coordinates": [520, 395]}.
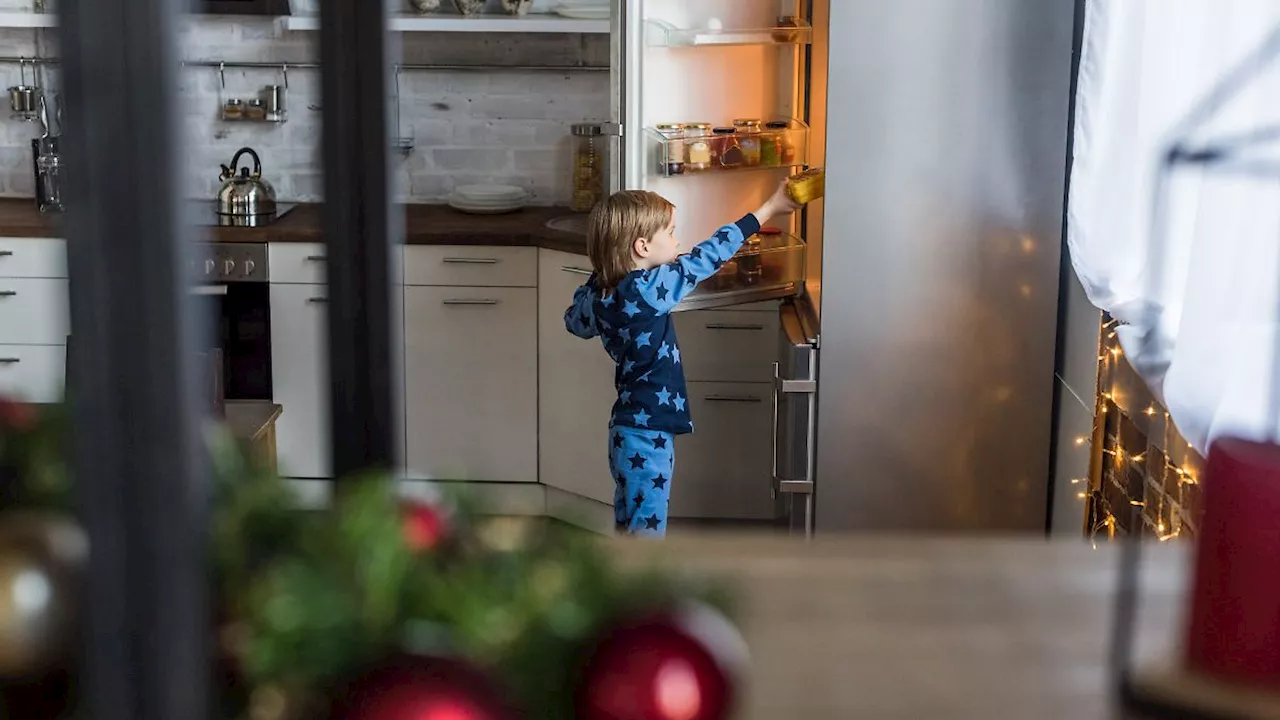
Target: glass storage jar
{"type": "Point", "coordinates": [697, 146]}
{"type": "Point", "coordinates": [673, 154]}
{"type": "Point", "coordinates": [587, 147]}
{"type": "Point", "coordinates": [748, 131]}
{"type": "Point", "coordinates": [725, 152]}
{"type": "Point", "coordinates": [772, 141]}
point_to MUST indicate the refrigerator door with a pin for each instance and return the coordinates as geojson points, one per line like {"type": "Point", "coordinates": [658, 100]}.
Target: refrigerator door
{"type": "Point", "coordinates": [657, 80]}
{"type": "Point", "coordinates": [795, 407]}
{"type": "Point", "coordinates": [940, 267]}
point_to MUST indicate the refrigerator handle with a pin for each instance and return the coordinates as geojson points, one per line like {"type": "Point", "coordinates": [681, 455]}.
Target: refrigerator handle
{"type": "Point", "coordinates": [773, 436]}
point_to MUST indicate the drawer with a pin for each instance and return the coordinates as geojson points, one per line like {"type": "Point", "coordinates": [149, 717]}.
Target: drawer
{"type": "Point", "coordinates": [33, 373]}
{"type": "Point", "coordinates": [724, 469]}
{"type": "Point", "coordinates": [300, 263]}
{"type": "Point", "coordinates": [33, 311]}
{"type": "Point", "coordinates": [33, 258]}
{"type": "Point", "coordinates": [728, 345]}
{"type": "Point", "coordinates": [474, 266]}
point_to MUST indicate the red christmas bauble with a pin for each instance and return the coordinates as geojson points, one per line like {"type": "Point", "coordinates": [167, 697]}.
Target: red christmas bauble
{"type": "Point", "coordinates": [680, 665]}
{"type": "Point", "coordinates": [425, 525]}
{"type": "Point", "coordinates": [421, 688]}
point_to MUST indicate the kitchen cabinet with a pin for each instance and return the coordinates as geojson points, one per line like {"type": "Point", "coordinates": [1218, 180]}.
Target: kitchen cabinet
{"type": "Point", "coordinates": [728, 345]}
{"type": "Point", "coordinates": [575, 387]}
{"type": "Point", "coordinates": [300, 379]}
{"type": "Point", "coordinates": [723, 469]}
{"type": "Point", "coordinates": [34, 311]}
{"type": "Point", "coordinates": [471, 382]}
{"type": "Point", "coordinates": [32, 373]}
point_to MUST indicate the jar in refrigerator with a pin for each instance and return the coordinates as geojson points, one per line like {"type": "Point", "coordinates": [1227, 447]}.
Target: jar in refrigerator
{"type": "Point", "coordinates": [697, 146]}
{"type": "Point", "coordinates": [673, 154]}
{"type": "Point", "coordinates": [807, 186]}
{"type": "Point", "coordinates": [725, 152]}
{"type": "Point", "coordinates": [588, 152]}
{"type": "Point", "coordinates": [750, 268]}
{"type": "Point", "coordinates": [771, 143]}
{"type": "Point", "coordinates": [749, 132]}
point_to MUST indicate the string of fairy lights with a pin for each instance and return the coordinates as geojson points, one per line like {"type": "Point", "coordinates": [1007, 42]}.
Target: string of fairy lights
{"type": "Point", "coordinates": [1102, 516]}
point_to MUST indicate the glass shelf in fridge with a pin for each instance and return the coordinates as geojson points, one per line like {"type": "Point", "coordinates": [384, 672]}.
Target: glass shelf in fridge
{"type": "Point", "coordinates": [770, 265]}
{"type": "Point", "coordinates": [680, 149]}
{"type": "Point", "coordinates": [663, 34]}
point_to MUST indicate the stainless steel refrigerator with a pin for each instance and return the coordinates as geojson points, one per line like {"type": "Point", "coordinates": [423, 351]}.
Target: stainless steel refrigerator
{"type": "Point", "coordinates": [914, 390]}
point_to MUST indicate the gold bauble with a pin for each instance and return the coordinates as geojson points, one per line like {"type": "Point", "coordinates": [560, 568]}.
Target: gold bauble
{"type": "Point", "coordinates": [42, 559]}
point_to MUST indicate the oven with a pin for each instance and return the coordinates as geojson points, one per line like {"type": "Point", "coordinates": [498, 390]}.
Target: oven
{"type": "Point", "coordinates": [235, 295]}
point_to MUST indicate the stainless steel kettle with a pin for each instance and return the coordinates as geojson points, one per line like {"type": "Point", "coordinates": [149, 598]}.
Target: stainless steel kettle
{"type": "Point", "coordinates": [245, 197]}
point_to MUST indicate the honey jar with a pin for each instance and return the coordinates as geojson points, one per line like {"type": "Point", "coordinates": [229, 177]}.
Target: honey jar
{"type": "Point", "coordinates": [807, 186]}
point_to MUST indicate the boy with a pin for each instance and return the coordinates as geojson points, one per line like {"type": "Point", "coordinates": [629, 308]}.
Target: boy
{"type": "Point", "coordinates": [639, 277]}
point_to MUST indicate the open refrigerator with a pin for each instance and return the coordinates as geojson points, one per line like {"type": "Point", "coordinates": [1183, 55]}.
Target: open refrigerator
{"type": "Point", "coordinates": [705, 64]}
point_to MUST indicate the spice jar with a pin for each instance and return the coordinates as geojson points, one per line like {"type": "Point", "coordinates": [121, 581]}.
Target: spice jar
{"type": "Point", "coordinates": [771, 142]}
{"type": "Point", "coordinates": [672, 155]}
{"type": "Point", "coordinates": [748, 131]}
{"type": "Point", "coordinates": [233, 109]}
{"type": "Point", "coordinates": [698, 146]}
{"type": "Point", "coordinates": [588, 154]}
{"type": "Point", "coordinates": [725, 152]}
{"type": "Point", "coordinates": [255, 110]}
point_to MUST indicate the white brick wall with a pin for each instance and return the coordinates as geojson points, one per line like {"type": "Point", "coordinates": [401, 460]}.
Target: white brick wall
{"type": "Point", "coordinates": [468, 127]}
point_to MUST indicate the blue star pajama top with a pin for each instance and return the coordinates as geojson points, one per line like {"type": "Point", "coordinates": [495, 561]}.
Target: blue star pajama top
{"type": "Point", "coordinates": [634, 323]}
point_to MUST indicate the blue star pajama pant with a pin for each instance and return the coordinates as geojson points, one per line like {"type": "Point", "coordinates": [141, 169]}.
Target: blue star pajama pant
{"type": "Point", "coordinates": [641, 462]}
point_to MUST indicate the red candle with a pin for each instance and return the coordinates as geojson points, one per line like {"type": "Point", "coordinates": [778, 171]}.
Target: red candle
{"type": "Point", "coordinates": [1235, 605]}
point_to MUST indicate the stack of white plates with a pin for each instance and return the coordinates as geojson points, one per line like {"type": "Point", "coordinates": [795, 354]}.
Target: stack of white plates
{"type": "Point", "coordinates": [487, 199]}
{"type": "Point", "coordinates": [583, 9]}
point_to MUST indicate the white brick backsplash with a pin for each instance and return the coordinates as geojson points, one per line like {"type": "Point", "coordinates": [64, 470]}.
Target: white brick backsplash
{"type": "Point", "coordinates": [508, 126]}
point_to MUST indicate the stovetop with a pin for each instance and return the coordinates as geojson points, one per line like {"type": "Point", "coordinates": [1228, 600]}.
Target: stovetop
{"type": "Point", "coordinates": [205, 213]}
{"type": "Point", "coordinates": [218, 263]}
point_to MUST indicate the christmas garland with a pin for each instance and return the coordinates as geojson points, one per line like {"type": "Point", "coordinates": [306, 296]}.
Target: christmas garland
{"type": "Point", "coordinates": [382, 608]}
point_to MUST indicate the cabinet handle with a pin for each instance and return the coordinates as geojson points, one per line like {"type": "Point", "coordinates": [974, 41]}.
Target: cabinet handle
{"type": "Point", "coordinates": [470, 261]}
{"type": "Point", "coordinates": [316, 258]}
{"type": "Point", "coordinates": [8, 293]}
{"type": "Point", "coordinates": [574, 270]}
{"type": "Point", "coordinates": [6, 253]}
{"type": "Point", "coordinates": [732, 326]}
{"type": "Point", "coordinates": [734, 398]}
{"type": "Point", "coordinates": [9, 360]}
{"type": "Point", "coordinates": [469, 301]}
{"type": "Point", "coordinates": [318, 300]}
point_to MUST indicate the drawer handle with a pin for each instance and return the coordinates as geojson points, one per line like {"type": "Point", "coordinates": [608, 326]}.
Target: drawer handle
{"type": "Point", "coordinates": [8, 293]}
{"type": "Point", "coordinates": [469, 301]}
{"type": "Point", "coordinates": [574, 270]}
{"type": "Point", "coordinates": [316, 258]}
{"type": "Point", "coordinates": [318, 300]}
{"type": "Point", "coordinates": [9, 360]}
{"type": "Point", "coordinates": [470, 261]}
{"type": "Point", "coordinates": [6, 253]}
{"type": "Point", "coordinates": [734, 398]}
{"type": "Point", "coordinates": [732, 326]}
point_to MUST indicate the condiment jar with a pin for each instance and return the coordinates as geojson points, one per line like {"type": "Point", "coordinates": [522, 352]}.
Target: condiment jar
{"type": "Point", "coordinates": [772, 141]}
{"type": "Point", "coordinates": [233, 109]}
{"type": "Point", "coordinates": [748, 131]}
{"type": "Point", "coordinates": [587, 150]}
{"type": "Point", "coordinates": [673, 155]}
{"type": "Point", "coordinates": [725, 152]}
{"type": "Point", "coordinates": [255, 110]}
{"type": "Point", "coordinates": [698, 144]}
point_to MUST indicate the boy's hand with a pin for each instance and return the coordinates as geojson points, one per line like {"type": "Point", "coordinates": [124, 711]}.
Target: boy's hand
{"type": "Point", "coordinates": [779, 204]}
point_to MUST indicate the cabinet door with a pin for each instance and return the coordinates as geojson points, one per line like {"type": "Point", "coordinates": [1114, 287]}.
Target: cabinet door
{"type": "Point", "coordinates": [575, 388]}
{"type": "Point", "coordinates": [32, 373]}
{"type": "Point", "coordinates": [300, 379]}
{"type": "Point", "coordinates": [471, 383]}
{"type": "Point", "coordinates": [723, 469]}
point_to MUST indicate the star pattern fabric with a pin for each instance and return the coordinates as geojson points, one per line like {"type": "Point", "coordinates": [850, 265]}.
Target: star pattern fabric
{"type": "Point", "coordinates": [642, 489]}
{"type": "Point", "coordinates": [635, 326]}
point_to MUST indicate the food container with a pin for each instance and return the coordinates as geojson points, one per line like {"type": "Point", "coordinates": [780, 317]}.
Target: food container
{"type": "Point", "coordinates": [748, 132]}
{"type": "Point", "coordinates": [587, 148]}
{"type": "Point", "coordinates": [233, 109]}
{"type": "Point", "coordinates": [255, 110]}
{"type": "Point", "coordinates": [725, 152]}
{"type": "Point", "coordinates": [698, 146]}
{"type": "Point", "coordinates": [807, 186]}
{"type": "Point", "coordinates": [769, 265]}
{"type": "Point", "coordinates": [672, 153]}
{"type": "Point", "coordinates": [772, 141]}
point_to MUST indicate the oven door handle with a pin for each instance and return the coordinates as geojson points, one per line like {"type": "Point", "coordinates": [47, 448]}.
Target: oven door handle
{"type": "Point", "coordinates": [209, 290]}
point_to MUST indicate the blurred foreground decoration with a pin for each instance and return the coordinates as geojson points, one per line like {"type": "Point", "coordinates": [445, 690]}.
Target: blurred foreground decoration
{"type": "Point", "coordinates": [1230, 669]}
{"type": "Point", "coordinates": [386, 608]}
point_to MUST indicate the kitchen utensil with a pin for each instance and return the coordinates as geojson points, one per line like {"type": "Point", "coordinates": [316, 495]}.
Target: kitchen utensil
{"type": "Point", "coordinates": [275, 100]}
{"type": "Point", "coordinates": [50, 181]}
{"type": "Point", "coordinates": [489, 193]}
{"type": "Point", "coordinates": [423, 7]}
{"type": "Point", "coordinates": [582, 12]}
{"type": "Point", "coordinates": [244, 193]}
{"type": "Point", "coordinates": [469, 7]}
{"type": "Point", "coordinates": [24, 99]}
{"type": "Point", "coordinates": [517, 7]}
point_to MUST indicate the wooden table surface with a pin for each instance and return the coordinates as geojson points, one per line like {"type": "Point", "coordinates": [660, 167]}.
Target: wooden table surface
{"type": "Point", "coordinates": [930, 628]}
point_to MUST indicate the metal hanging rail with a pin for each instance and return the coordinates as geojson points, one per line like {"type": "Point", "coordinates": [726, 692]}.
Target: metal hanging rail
{"type": "Point", "coordinates": [406, 67]}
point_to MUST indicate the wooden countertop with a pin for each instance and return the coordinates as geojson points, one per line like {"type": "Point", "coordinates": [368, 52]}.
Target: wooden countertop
{"type": "Point", "coordinates": [251, 419]}
{"type": "Point", "coordinates": [929, 628]}
{"type": "Point", "coordinates": [423, 225]}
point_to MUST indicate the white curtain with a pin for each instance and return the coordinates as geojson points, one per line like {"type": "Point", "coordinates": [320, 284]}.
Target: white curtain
{"type": "Point", "coordinates": [1206, 299]}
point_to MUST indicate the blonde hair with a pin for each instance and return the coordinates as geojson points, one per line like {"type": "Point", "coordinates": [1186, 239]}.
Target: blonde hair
{"type": "Point", "coordinates": [614, 226]}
